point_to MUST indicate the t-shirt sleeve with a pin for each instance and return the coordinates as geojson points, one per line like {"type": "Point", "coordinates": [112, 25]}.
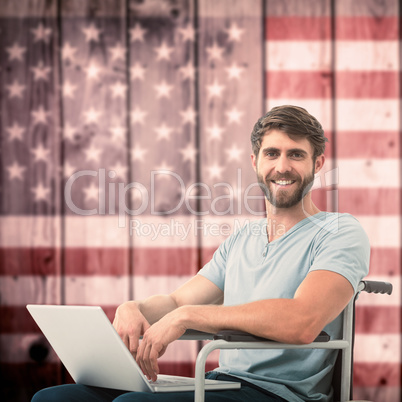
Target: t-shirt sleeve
{"type": "Point", "coordinates": [215, 269]}
{"type": "Point", "coordinates": [343, 247]}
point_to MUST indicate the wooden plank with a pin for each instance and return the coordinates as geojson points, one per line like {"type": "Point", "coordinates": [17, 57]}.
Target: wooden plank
{"type": "Point", "coordinates": [231, 97]}
{"type": "Point", "coordinates": [369, 29]}
{"type": "Point", "coordinates": [95, 134]}
{"type": "Point", "coordinates": [30, 162]}
{"type": "Point", "coordinates": [163, 145]}
{"type": "Point", "coordinates": [298, 64]}
{"type": "Point", "coordinates": [163, 120]}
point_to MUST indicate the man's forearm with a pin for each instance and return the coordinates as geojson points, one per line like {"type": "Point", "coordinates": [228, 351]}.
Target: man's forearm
{"type": "Point", "coordinates": [155, 307]}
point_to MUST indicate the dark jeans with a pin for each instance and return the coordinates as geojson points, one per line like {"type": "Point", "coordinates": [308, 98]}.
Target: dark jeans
{"type": "Point", "coordinates": [83, 393]}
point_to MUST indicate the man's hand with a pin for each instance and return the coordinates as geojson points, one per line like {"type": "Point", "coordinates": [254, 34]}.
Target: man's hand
{"type": "Point", "coordinates": [155, 341]}
{"type": "Point", "coordinates": [130, 324]}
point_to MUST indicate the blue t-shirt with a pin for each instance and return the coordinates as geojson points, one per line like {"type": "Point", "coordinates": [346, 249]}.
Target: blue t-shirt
{"type": "Point", "coordinates": [248, 268]}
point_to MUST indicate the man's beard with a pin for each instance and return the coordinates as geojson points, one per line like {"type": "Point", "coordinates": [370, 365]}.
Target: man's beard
{"type": "Point", "coordinates": [281, 198]}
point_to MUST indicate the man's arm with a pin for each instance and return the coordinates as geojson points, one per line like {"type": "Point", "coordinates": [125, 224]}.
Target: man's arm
{"type": "Point", "coordinates": [134, 318]}
{"type": "Point", "coordinates": [320, 298]}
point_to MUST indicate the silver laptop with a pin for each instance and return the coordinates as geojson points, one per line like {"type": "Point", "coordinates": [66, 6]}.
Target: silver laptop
{"type": "Point", "coordinates": [94, 354]}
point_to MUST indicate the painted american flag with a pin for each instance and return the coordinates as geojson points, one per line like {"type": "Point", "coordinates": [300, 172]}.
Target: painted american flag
{"type": "Point", "coordinates": [125, 153]}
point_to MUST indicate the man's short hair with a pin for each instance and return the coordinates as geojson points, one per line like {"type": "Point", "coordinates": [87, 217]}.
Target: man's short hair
{"type": "Point", "coordinates": [292, 120]}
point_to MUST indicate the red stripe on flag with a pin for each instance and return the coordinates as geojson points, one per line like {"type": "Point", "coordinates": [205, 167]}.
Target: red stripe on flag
{"type": "Point", "coordinates": [364, 144]}
{"type": "Point", "coordinates": [367, 28]}
{"type": "Point", "coordinates": [377, 319]}
{"type": "Point", "coordinates": [319, 28]}
{"type": "Point", "coordinates": [369, 201]}
{"type": "Point", "coordinates": [19, 382]}
{"type": "Point", "coordinates": [385, 261]}
{"type": "Point", "coordinates": [376, 374]}
{"type": "Point", "coordinates": [96, 261]}
{"type": "Point", "coordinates": [175, 261]}
{"type": "Point", "coordinates": [16, 319]}
{"type": "Point", "coordinates": [298, 28]}
{"type": "Point", "coordinates": [367, 84]}
{"type": "Point", "coordinates": [317, 84]}
{"type": "Point", "coordinates": [298, 84]}
{"type": "Point", "coordinates": [29, 260]}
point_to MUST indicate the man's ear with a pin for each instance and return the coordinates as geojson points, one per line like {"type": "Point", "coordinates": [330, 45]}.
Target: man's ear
{"type": "Point", "coordinates": [254, 162]}
{"type": "Point", "coordinates": [319, 163]}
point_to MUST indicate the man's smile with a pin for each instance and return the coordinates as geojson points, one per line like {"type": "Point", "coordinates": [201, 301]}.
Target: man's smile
{"type": "Point", "coordinates": [283, 183]}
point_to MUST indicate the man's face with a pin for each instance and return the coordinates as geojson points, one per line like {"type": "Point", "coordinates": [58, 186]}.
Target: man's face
{"type": "Point", "coordinates": [285, 168]}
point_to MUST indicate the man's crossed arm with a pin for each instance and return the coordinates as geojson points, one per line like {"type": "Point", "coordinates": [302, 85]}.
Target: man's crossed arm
{"type": "Point", "coordinates": [197, 304]}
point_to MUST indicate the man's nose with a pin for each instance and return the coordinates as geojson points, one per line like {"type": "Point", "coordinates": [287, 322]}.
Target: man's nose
{"type": "Point", "coordinates": [282, 164]}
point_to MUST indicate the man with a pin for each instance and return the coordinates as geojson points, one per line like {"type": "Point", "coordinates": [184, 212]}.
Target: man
{"type": "Point", "coordinates": [285, 278]}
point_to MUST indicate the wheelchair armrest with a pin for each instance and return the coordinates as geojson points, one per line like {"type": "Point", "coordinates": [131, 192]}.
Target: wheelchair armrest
{"type": "Point", "coordinates": [194, 335]}
{"type": "Point", "coordinates": [240, 336]}
{"type": "Point", "coordinates": [377, 287]}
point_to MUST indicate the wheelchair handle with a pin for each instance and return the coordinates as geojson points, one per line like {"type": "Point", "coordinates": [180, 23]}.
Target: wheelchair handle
{"type": "Point", "coordinates": [377, 287]}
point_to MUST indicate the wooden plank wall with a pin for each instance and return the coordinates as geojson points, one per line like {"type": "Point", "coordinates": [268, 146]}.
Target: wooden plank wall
{"type": "Point", "coordinates": [113, 112]}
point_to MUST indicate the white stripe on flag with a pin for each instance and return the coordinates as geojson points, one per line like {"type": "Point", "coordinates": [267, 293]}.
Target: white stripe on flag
{"type": "Point", "coordinates": [298, 55]}
{"type": "Point", "coordinates": [384, 348]}
{"type": "Point", "coordinates": [383, 231]}
{"type": "Point", "coordinates": [372, 55]}
{"type": "Point", "coordinates": [368, 173]}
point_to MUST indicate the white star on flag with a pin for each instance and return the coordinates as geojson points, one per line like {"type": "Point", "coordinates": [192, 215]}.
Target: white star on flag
{"type": "Point", "coordinates": [15, 89]}
{"type": "Point", "coordinates": [234, 115]}
{"type": "Point", "coordinates": [118, 90]}
{"type": "Point", "coordinates": [91, 192]}
{"type": "Point", "coordinates": [163, 169]}
{"type": "Point", "coordinates": [215, 52]}
{"type": "Point", "coordinates": [163, 131]}
{"type": "Point", "coordinates": [234, 32]}
{"type": "Point", "coordinates": [68, 52]}
{"type": "Point", "coordinates": [15, 131]}
{"type": "Point", "coordinates": [138, 115]}
{"type": "Point", "coordinates": [40, 192]}
{"type": "Point", "coordinates": [41, 33]}
{"type": "Point", "coordinates": [234, 71]}
{"type": "Point", "coordinates": [91, 33]}
{"type": "Point", "coordinates": [187, 71]}
{"type": "Point", "coordinates": [187, 33]}
{"type": "Point", "coordinates": [93, 153]}
{"type": "Point", "coordinates": [189, 153]}
{"type": "Point", "coordinates": [15, 171]}
{"type": "Point", "coordinates": [215, 171]}
{"type": "Point", "coordinates": [118, 52]}
{"type": "Point", "coordinates": [41, 72]}
{"type": "Point", "coordinates": [91, 116]}
{"type": "Point", "coordinates": [119, 170]}
{"type": "Point", "coordinates": [234, 153]}
{"type": "Point", "coordinates": [40, 153]}
{"type": "Point", "coordinates": [137, 153]}
{"type": "Point", "coordinates": [16, 52]}
{"type": "Point", "coordinates": [39, 115]}
{"type": "Point", "coordinates": [93, 71]}
{"type": "Point", "coordinates": [137, 71]}
{"type": "Point", "coordinates": [69, 132]}
{"type": "Point", "coordinates": [118, 134]}
{"type": "Point", "coordinates": [69, 169]}
{"type": "Point", "coordinates": [189, 115]}
{"type": "Point", "coordinates": [215, 132]}
{"type": "Point", "coordinates": [137, 33]}
{"type": "Point", "coordinates": [163, 90]}
{"type": "Point", "coordinates": [215, 89]}
{"type": "Point", "coordinates": [68, 89]}
{"type": "Point", "coordinates": [163, 52]}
